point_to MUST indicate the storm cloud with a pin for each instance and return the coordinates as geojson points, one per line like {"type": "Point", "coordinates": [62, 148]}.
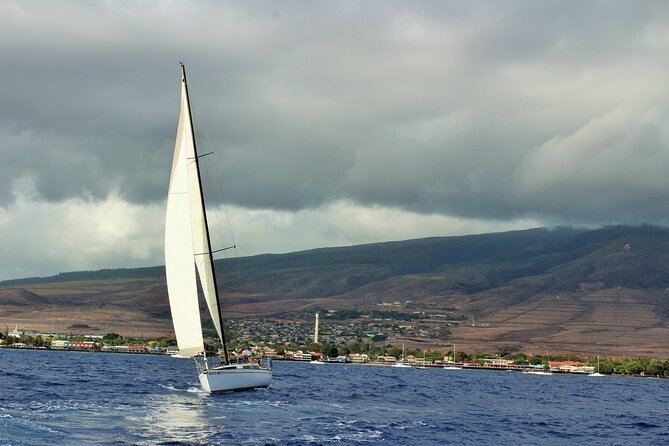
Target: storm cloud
{"type": "Point", "coordinates": [480, 115]}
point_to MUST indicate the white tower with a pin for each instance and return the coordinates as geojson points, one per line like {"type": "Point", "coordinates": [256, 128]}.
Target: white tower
{"type": "Point", "coordinates": [316, 331]}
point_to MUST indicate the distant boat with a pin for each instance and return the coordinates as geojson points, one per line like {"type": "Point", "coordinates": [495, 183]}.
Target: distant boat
{"type": "Point", "coordinates": [453, 366]}
{"type": "Point", "coordinates": [187, 249]}
{"type": "Point", "coordinates": [401, 362]}
{"type": "Point", "coordinates": [538, 371]}
{"type": "Point", "coordinates": [597, 372]}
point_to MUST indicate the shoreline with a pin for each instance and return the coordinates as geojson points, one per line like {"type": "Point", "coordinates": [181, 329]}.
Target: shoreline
{"type": "Point", "coordinates": [465, 367]}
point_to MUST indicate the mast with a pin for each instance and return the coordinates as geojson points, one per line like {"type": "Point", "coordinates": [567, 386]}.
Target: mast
{"type": "Point", "coordinates": [209, 253]}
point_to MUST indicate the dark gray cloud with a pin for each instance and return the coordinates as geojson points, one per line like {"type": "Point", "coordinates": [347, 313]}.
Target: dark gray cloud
{"type": "Point", "coordinates": [547, 110]}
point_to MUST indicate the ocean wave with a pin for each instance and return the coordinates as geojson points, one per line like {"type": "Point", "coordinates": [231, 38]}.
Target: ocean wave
{"type": "Point", "coordinates": [334, 405]}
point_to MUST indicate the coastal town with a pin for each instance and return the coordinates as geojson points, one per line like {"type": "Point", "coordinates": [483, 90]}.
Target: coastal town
{"type": "Point", "coordinates": [299, 340]}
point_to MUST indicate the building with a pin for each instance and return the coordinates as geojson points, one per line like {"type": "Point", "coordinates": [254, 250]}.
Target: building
{"type": "Point", "coordinates": [15, 333]}
{"type": "Point", "coordinates": [172, 350]}
{"type": "Point", "coordinates": [137, 349]}
{"type": "Point", "coordinates": [358, 358]}
{"type": "Point", "coordinates": [84, 345]}
{"type": "Point", "coordinates": [116, 348]}
{"type": "Point", "coordinates": [300, 356]}
{"type": "Point", "coordinates": [94, 336]}
{"type": "Point", "coordinates": [58, 344]}
{"type": "Point", "coordinates": [497, 363]}
{"type": "Point", "coordinates": [570, 367]}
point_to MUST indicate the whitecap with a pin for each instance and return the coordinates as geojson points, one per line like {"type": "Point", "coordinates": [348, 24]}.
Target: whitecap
{"type": "Point", "coordinates": [195, 390]}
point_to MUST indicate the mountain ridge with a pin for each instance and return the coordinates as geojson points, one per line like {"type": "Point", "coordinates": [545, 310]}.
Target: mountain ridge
{"type": "Point", "coordinates": [570, 280]}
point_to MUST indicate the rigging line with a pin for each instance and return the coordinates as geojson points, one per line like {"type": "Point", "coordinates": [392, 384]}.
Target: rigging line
{"type": "Point", "coordinates": [211, 146]}
{"type": "Point", "coordinates": [228, 227]}
{"type": "Point", "coordinates": [228, 223]}
{"type": "Point", "coordinates": [217, 216]}
{"type": "Point", "coordinates": [236, 257]}
{"type": "Point", "coordinates": [202, 128]}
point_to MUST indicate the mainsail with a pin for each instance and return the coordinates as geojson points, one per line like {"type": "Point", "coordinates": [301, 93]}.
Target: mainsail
{"type": "Point", "coordinates": [187, 241]}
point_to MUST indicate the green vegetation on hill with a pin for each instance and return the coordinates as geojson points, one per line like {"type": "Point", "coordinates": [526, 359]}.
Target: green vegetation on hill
{"type": "Point", "coordinates": [566, 256]}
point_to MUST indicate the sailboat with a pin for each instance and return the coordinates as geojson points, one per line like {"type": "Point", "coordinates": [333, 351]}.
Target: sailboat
{"type": "Point", "coordinates": [189, 257]}
{"type": "Point", "coordinates": [401, 362]}
{"type": "Point", "coordinates": [597, 372]}
{"type": "Point", "coordinates": [453, 366]}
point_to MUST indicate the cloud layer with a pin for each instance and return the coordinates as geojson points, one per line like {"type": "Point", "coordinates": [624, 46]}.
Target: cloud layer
{"type": "Point", "coordinates": [437, 117]}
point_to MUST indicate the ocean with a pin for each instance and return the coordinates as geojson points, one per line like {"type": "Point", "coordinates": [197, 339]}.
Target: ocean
{"type": "Point", "coordinates": [77, 398]}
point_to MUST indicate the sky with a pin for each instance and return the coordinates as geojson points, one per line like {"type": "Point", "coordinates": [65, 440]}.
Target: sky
{"type": "Point", "coordinates": [330, 123]}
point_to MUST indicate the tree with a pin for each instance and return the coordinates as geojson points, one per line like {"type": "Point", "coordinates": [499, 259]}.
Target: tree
{"type": "Point", "coordinates": [342, 351]}
{"type": "Point", "coordinates": [333, 352]}
{"type": "Point", "coordinates": [606, 366]}
{"type": "Point", "coordinates": [356, 346]}
{"type": "Point", "coordinates": [633, 367]}
{"type": "Point", "coordinates": [391, 350]}
{"type": "Point", "coordinates": [654, 367]}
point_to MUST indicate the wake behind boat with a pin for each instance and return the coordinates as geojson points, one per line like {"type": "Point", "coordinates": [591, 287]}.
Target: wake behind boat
{"type": "Point", "coordinates": [187, 250]}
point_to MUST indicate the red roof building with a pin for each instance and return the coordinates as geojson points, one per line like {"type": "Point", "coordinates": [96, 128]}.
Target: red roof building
{"type": "Point", "coordinates": [84, 345]}
{"type": "Point", "coordinates": [137, 349]}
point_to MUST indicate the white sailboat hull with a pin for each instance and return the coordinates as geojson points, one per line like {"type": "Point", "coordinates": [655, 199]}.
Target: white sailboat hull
{"type": "Point", "coordinates": [234, 378]}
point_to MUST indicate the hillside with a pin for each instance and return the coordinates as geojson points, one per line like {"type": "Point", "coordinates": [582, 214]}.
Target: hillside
{"type": "Point", "coordinates": [560, 289]}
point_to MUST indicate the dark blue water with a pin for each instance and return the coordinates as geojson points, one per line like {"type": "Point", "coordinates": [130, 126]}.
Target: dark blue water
{"type": "Point", "coordinates": [71, 398]}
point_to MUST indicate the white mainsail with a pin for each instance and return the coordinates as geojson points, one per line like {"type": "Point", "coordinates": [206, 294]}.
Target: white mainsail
{"type": "Point", "coordinates": [186, 241]}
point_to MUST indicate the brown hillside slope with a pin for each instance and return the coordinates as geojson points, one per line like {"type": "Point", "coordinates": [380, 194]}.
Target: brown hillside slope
{"type": "Point", "coordinates": [559, 290]}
